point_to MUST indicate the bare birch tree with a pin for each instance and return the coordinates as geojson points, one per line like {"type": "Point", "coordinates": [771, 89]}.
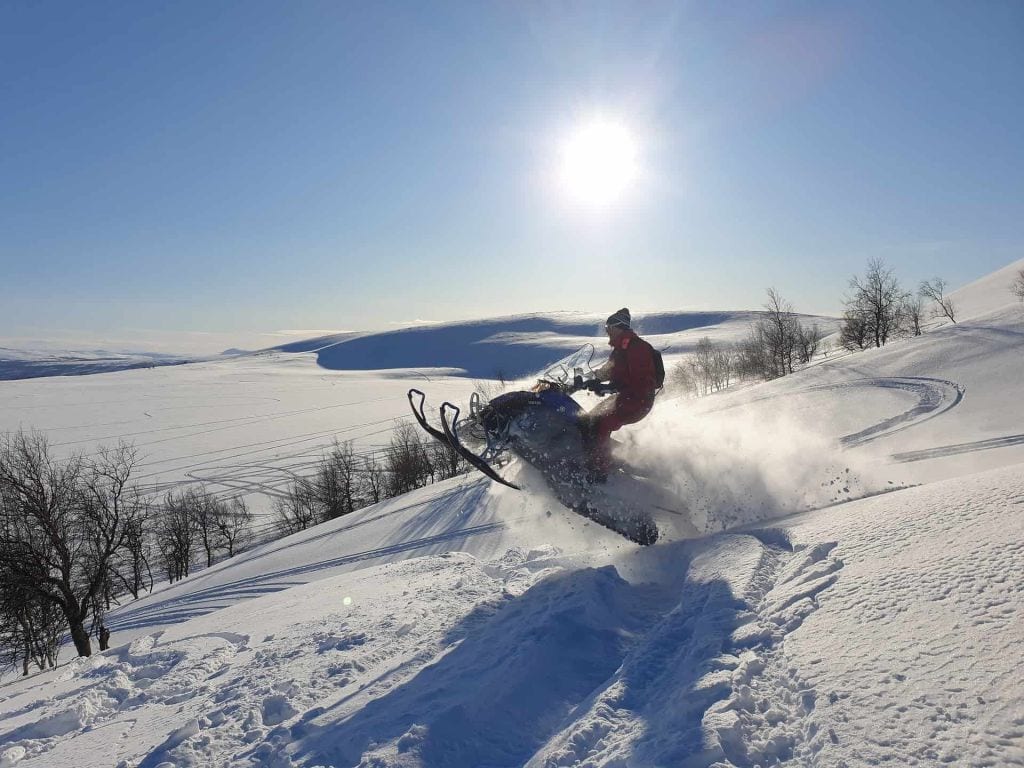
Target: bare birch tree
{"type": "Point", "coordinates": [62, 523]}
{"type": "Point", "coordinates": [374, 479]}
{"type": "Point", "coordinates": [855, 332]}
{"type": "Point", "coordinates": [877, 300]}
{"type": "Point", "coordinates": [807, 340]}
{"type": "Point", "coordinates": [233, 521]}
{"type": "Point", "coordinates": [935, 291]}
{"type": "Point", "coordinates": [297, 509]}
{"type": "Point", "coordinates": [176, 535]}
{"type": "Point", "coordinates": [336, 484]}
{"type": "Point", "coordinates": [913, 311]}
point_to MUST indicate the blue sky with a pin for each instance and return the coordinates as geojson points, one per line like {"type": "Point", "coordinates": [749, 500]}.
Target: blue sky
{"type": "Point", "coordinates": [169, 169]}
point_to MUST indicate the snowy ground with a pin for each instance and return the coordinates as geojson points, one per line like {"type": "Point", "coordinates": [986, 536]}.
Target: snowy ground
{"type": "Point", "coordinates": [32, 363]}
{"type": "Point", "coordinates": [859, 601]}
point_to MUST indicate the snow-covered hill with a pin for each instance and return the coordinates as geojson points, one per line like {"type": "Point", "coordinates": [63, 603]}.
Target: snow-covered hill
{"type": "Point", "coordinates": [988, 293]}
{"type": "Point", "coordinates": [32, 363]}
{"type": "Point", "coordinates": [858, 600]}
{"type": "Point", "coordinates": [512, 347]}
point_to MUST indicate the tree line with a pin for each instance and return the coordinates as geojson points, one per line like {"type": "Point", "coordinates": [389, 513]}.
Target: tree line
{"type": "Point", "coordinates": [346, 481]}
{"type": "Point", "coordinates": [877, 310]}
{"type": "Point", "coordinates": [77, 536]}
{"type": "Point", "coordinates": [774, 344]}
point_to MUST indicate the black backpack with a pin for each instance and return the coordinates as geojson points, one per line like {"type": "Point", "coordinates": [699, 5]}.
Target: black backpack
{"type": "Point", "coordinates": [659, 368]}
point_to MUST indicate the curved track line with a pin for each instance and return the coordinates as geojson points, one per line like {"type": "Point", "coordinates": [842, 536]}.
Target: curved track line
{"type": "Point", "coordinates": [934, 398]}
{"type": "Point", "coordinates": [958, 448]}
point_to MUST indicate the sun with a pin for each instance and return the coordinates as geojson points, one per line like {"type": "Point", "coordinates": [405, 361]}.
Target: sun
{"type": "Point", "coordinates": [598, 163]}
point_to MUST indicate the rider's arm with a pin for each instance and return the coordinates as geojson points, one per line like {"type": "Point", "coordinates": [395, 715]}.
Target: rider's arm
{"type": "Point", "coordinates": [604, 373]}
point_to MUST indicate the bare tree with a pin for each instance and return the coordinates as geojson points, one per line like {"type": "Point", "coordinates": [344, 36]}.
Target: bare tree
{"type": "Point", "coordinates": [753, 358]}
{"type": "Point", "coordinates": [878, 300]}
{"type": "Point", "coordinates": [408, 464]}
{"type": "Point", "coordinates": [780, 333]}
{"type": "Point", "coordinates": [176, 535]}
{"type": "Point", "coordinates": [131, 568]}
{"type": "Point", "coordinates": [297, 509]}
{"type": "Point", "coordinates": [374, 479]}
{"type": "Point", "coordinates": [447, 462]}
{"type": "Point", "coordinates": [855, 332]}
{"type": "Point", "coordinates": [233, 520]}
{"type": "Point", "coordinates": [807, 340]}
{"type": "Point", "coordinates": [711, 367]}
{"type": "Point", "coordinates": [63, 522]}
{"type": "Point", "coordinates": [683, 378]}
{"type": "Point", "coordinates": [336, 484]}
{"type": "Point", "coordinates": [1017, 288]}
{"type": "Point", "coordinates": [31, 628]}
{"type": "Point", "coordinates": [913, 311]}
{"type": "Point", "coordinates": [935, 291]}
{"type": "Point", "coordinates": [702, 364]}
{"type": "Point", "coordinates": [722, 367]}
{"type": "Point", "coordinates": [202, 507]}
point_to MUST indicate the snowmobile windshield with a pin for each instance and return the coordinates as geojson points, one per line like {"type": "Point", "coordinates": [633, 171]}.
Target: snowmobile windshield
{"type": "Point", "coordinates": [579, 361]}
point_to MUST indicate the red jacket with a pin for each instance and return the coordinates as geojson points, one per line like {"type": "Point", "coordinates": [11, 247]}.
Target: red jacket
{"type": "Point", "coordinates": [633, 368]}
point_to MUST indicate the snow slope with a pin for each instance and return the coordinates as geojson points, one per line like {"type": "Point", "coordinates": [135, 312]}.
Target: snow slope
{"type": "Point", "coordinates": [859, 601]}
{"type": "Point", "coordinates": [988, 293]}
{"type": "Point", "coordinates": [30, 363]}
{"type": "Point", "coordinates": [512, 347]}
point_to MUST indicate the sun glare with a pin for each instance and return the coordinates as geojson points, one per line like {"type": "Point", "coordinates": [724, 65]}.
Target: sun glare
{"type": "Point", "coordinates": [598, 163]}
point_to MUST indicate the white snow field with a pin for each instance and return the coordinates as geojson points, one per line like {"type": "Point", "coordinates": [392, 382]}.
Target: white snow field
{"type": "Point", "coordinates": [35, 363]}
{"type": "Point", "coordinates": [857, 598]}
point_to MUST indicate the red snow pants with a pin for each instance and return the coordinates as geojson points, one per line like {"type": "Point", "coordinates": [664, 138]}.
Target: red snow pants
{"type": "Point", "coordinates": [612, 414]}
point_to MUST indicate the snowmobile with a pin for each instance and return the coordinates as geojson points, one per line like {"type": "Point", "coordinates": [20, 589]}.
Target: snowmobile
{"type": "Point", "coordinates": [541, 426]}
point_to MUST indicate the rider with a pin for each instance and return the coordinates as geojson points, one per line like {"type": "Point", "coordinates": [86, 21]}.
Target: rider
{"type": "Point", "coordinates": [631, 373]}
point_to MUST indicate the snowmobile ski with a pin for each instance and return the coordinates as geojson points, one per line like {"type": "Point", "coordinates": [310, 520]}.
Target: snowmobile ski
{"type": "Point", "coordinates": [417, 411]}
{"type": "Point", "coordinates": [449, 437]}
{"type": "Point", "coordinates": [453, 440]}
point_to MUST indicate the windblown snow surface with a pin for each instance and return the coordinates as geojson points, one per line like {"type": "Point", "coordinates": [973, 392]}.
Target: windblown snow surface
{"type": "Point", "coordinates": [856, 600]}
{"type": "Point", "coordinates": [31, 363]}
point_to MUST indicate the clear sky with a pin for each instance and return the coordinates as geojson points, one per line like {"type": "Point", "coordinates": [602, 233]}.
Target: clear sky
{"type": "Point", "coordinates": [171, 168]}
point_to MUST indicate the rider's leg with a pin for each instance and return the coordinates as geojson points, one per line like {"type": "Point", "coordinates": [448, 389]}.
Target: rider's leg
{"type": "Point", "coordinates": [621, 412]}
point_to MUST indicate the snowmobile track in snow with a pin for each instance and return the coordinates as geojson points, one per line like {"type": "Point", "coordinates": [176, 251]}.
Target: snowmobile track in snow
{"type": "Point", "coordinates": [934, 398]}
{"type": "Point", "coordinates": [723, 643]}
{"type": "Point", "coordinates": [959, 448]}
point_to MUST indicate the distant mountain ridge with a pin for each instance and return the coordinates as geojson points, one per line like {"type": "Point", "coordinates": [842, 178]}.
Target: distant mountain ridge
{"type": "Point", "coordinates": [33, 364]}
{"type": "Point", "coordinates": [518, 345]}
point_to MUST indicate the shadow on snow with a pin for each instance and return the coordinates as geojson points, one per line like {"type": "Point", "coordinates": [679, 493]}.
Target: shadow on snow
{"type": "Point", "coordinates": [518, 674]}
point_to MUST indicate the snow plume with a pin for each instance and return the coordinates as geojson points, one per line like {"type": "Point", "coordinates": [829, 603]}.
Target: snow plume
{"type": "Point", "coordinates": [737, 466]}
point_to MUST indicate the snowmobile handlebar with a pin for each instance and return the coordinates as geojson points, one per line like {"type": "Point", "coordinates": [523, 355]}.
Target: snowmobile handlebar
{"type": "Point", "coordinates": [599, 388]}
{"type": "Point", "coordinates": [578, 384]}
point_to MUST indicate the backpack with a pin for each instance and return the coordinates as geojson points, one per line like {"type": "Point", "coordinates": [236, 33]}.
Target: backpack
{"type": "Point", "coordinates": [659, 369]}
